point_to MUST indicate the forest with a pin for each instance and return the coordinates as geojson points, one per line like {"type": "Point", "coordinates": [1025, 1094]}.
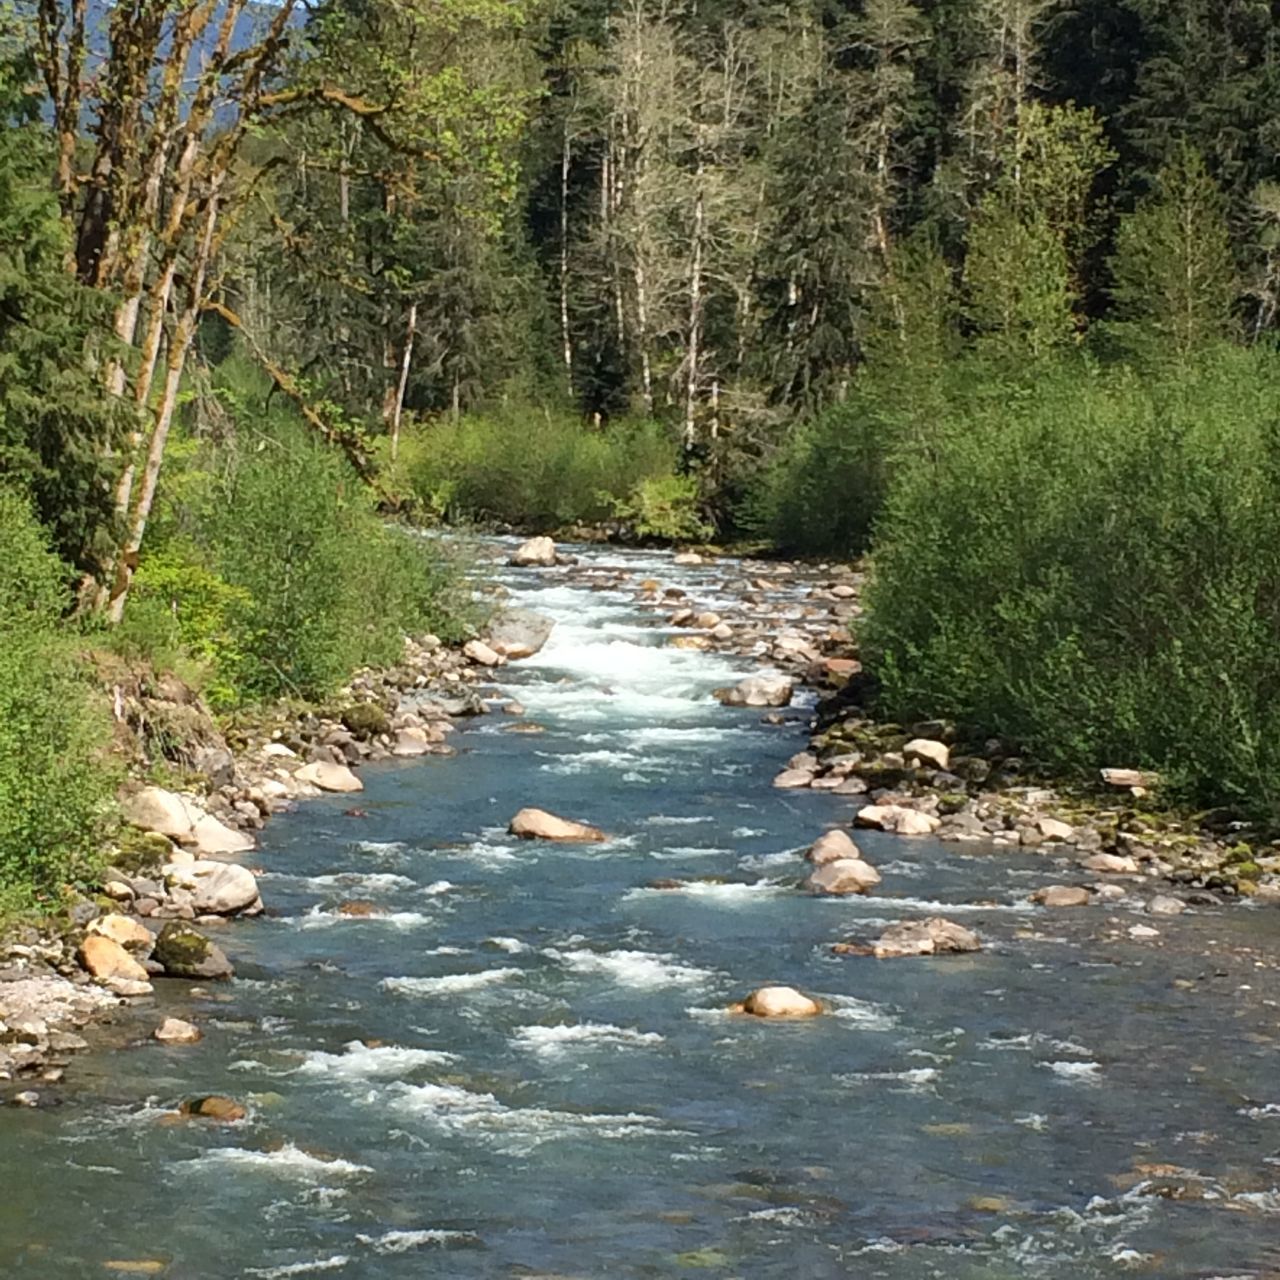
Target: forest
{"type": "Point", "coordinates": [987, 289]}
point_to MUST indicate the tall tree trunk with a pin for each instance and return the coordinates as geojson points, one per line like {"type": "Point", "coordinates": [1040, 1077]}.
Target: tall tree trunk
{"type": "Point", "coordinates": [410, 333]}
{"type": "Point", "coordinates": [693, 356]}
{"type": "Point", "coordinates": [566, 336]}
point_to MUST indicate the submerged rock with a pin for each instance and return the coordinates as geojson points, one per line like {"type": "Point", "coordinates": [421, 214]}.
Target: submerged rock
{"type": "Point", "coordinates": [538, 824]}
{"type": "Point", "coordinates": [779, 1002]}
{"type": "Point", "coordinates": [934, 936]}
{"type": "Point", "coordinates": [214, 1106]}
{"type": "Point", "coordinates": [185, 952]}
{"type": "Point", "coordinates": [536, 552]}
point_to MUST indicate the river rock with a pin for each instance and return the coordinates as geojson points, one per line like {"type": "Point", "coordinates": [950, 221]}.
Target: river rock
{"type": "Point", "coordinates": [214, 1106]}
{"type": "Point", "coordinates": [1054, 829]}
{"type": "Point", "coordinates": [177, 1031]}
{"type": "Point", "coordinates": [927, 751]}
{"type": "Point", "coordinates": [684, 558]}
{"type": "Point", "coordinates": [536, 552]}
{"type": "Point", "coordinates": [329, 776]}
{"type": "Point", "coordinates": [843, 876]}
{"type": "Point", "coordinates": [104, 958]}
{"type": "Point", "coordinates": [480, 652]}
{"type": "Point", "coordinates": [210, 836]}
{"type": "Point", "coordinates": [411, 741]}
{"type": "Point", "coordinates": [757, 691]}
{"type": "Point", "coordinates": [1165, 905]}
{"type": "Point", "coordinates": [130, 934]}
{"type": "Point", "coordinates": [897, 819]}
{"type": "Point", "coordinates": [155, 809]}
{"type": "Point", "coordinates": [1111, 864]}
{"type": "Point", "coordinates": [519, 633]}
{"type": "Point", "coordinates": [832, 846]}
{"type": "Point", "coordinates": [780, 1002]}
{"type": "Point", "coordinates": [217, 888]}
{"type": "Point", "coordinates": [934, 936]}
{"type": "Point", "coordinates": [790, 779]}
{"type": "Point", "coordinates": [538, 824]}
{"type": "Point", "coordinates": [1061, 895]}
{"type": "Point", "coordinates": [186, 953]}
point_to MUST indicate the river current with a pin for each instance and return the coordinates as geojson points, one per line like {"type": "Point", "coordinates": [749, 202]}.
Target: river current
{"type": "Point", "coordinates": [525, 1068]}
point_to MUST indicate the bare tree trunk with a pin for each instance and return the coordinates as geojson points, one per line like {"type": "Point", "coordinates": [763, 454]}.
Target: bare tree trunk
{"type": "Point", "coordinates": [410, 333]}
{"type": "Point", "coordinates": [694, 354]}
{"type": "Point", "coordinates": [566, 336]}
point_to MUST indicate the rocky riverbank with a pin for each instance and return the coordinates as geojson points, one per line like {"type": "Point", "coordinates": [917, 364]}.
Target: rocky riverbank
{"type": "Point", "coordinates": [177, 872]}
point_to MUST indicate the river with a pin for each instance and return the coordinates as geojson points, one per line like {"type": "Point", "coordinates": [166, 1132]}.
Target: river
{"type": "Point", "coordinates": [526, 1069]}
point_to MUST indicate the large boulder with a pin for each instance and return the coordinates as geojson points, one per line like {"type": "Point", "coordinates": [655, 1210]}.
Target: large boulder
{"type": "Point", "coordinates": [217, 888]}
{"type": "Point", "coordinates": [130, 934]}
{"type": "Point", "coordinates": [177, 1031]}
{"type": "Point", "coordinates": [832, 846]}
{"type": "Point", "coordinates": [213, 837]}
{"type": "Point", "coordinates": [758, 691]}
{"type": "Point", "coordinates": [898, 819]}
{"type": "Point", "coordinates": [185, 952]}
{"type": "Point", "coordinates": [536, 552]}
{"type": "Point", "coordinates": [104, 958]}
{"type": "Point", "coordinates": [927, 751]}
{"type": "Point", "coordinates": [843, 876]}
{"type": "Point", "coordinates": [934, 936]}
{"type": "Point", "coordinates": [779, 1002]}
{"type": "Point", "coordinates": [329, 776]}
{"type": "Point", "coordinates": [479, 652]}
{"type": "Point", "coordinates": [538, 824]}
{"type": "Point", "coordinates": [519, 633]}
{"type": "Point", "coordinates": [155, 809]}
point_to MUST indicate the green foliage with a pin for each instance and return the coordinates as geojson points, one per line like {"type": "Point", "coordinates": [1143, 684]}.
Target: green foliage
{"type": "Point", "coordinates": [56, 421]}
{"type": "Point", "coordinates": [1174, 278]}
{"type": "Point", "coordinates": [1089, 563]}
{"type": "Point", "coordinates": [55, 788]}
{"type": "Point", "coordinates": [664, 507]}
{"type": "Point", "coordinates": [533, 468]}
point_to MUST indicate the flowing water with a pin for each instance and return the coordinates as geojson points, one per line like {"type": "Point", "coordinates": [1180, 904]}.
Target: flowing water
{"type": "Point", "coordinates": [526, 1068]}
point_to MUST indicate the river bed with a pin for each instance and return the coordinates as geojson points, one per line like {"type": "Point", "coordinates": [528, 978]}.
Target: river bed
{"type": "Point", "coordinates": [526, 1068]}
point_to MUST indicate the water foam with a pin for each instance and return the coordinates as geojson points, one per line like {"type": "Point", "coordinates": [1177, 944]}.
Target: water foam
{"type": "Point", "coordinates": [286, 1162]}
{"type": "Point", "coordinates": [359, 1061]}
{"type": "Point", "coordinates": [645, 970]}
{"type": "Point", "coordinates": [551, 1042]}
{"type": "Point", "coordinates": [449, 984]}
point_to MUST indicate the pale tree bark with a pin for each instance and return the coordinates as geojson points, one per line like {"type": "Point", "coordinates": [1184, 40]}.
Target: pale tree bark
{"type": "Point", "coordinates": [411, 330]}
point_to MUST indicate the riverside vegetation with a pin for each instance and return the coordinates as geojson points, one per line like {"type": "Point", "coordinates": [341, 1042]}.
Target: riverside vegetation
{"type": "Point", "coordinates": [546, 266]}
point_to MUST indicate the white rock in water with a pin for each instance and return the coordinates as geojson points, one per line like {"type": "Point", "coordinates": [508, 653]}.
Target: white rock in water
{"type": "Point", "coordinates": [757, 691]}
{"type": "Point", "coordinates": [927, 751]}
{"type": "Point", "coordinates": [780, 1002]}
{"type": "Point", "coordinates": [1111, 864]}
{"type": "Point", "coordinates": [177, 1031]}
{"type": "Point", "coordinates": [934, 936]}
{"type": "Point", "coordinates": [535, 552]}
{"type": "Point", "coordinates": [1054, 829]}
{"type": "Point", "coordinates": [217, 888]}
{"type": "Point", "coordinates": [687, 558]}
{"type": "Point", "coordinates": [329, 776]}
{"type": "Point", "coordinates": [897, 819]}
{"type": "Point", "coordinates": [832, 846]}
{"type": "Point", "coordinates": [1165, 905]}
{"type": "Point", "coordinates": [538, 824]}
{"type": "Point", "coordinates": [411, 742]}
{"type": "Point", "coordinates": [789, 779]}
{"type": "Point", "coordinates": [1062, 895]}
{"type": "Point", "coordinates": [843, 876]}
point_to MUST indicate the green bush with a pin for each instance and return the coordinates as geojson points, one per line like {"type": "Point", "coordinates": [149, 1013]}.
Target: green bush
{"type": "Point", "coordinates": [276, 574]}
{"type": "Point", "coordinates": [55, 786]}
{"type": "Point", "coordinates": [664, 507]}
{"type": "Point", "coordinates": [532, 468]}
{"type": "Point", "coordinates": [1089, 563]}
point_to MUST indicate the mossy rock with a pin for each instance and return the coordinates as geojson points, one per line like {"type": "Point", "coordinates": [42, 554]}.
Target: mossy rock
{"type": "Point", "coordinates": [1238, 855]}
{"type": "Point", "coordinates": [366, 719]}
{"type": "Point", "coordinates": [138, 851]}
{"type": "Point", "coordinates": [1245, 871]}
{"type": "Point", "coordinates": [186, 953]}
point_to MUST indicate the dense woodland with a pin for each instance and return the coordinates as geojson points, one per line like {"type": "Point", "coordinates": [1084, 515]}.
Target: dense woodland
{"type": "Point", "coordinates": [989, 288]}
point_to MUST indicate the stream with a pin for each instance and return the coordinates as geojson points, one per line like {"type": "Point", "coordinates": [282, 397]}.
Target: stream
{"type": "Point", "coordinates": [526, 1068]}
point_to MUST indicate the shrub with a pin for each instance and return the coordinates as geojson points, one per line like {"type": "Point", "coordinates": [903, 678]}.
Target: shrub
{"type": "Point", "coordinates": [664, 507]}
{"type": "Point", "coordinates": [533, 468]}
{"type": "Point", "coordinates": [1089, 564]}
{"type": "Point", "coordinates": [55, 787]}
